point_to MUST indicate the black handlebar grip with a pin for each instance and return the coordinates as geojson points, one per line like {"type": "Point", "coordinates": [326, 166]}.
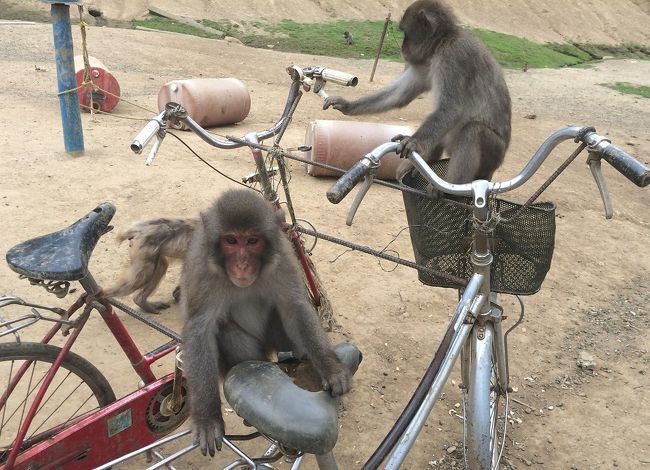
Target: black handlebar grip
{"type": "Point", "coordinates": [627, 165]}
{"type": "Point", "coordinates": [345, 183]}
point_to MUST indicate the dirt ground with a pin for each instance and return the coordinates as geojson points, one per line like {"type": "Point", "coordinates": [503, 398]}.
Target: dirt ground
{"type": "Point", "coordinates": [595, 298]}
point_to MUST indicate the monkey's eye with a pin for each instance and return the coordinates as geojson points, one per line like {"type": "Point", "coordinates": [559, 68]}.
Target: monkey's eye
{"type": "Point", "coordinates": [253, 240]}
{"type": "Point", "coordinates": [230, 240]}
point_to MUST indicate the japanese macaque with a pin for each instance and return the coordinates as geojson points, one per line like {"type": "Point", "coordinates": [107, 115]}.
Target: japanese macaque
{"type": "Point", "coordinates": [152, 245]}
{"type": "Point", "coordinates": [243, 298]}
{"type": "Point", "coordinates": [347, 37]}
{"type": "Point", "coordinates": [471, 111]}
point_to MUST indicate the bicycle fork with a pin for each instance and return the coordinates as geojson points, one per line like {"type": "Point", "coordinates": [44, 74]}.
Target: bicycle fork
{"type": "Point", "coordinates": [484, 375]}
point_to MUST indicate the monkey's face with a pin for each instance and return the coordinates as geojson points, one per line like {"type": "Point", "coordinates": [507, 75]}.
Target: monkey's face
{"type": "Point", "coordinates": [424, 22]}
{"type": "Point", "coordinates": [414, 26]}
{"type": "Point", "coordinates": [242, 254]}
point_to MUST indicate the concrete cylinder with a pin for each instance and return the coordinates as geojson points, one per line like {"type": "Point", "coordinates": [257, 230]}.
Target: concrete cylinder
{"type": "Point", "coordinates": [209, 101]}
{"type": "Point", "coordinates": [343, 143]}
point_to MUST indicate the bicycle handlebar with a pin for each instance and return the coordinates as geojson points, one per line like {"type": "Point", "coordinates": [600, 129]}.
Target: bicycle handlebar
{"type": "Point", "coordinates": [147, 133]}
{"type": "Point", "coordinates": [624, 163]}
{"type": "Point", "coordinates": [634, 170]}
{"type": "Point", "coordinates": [307, 76]}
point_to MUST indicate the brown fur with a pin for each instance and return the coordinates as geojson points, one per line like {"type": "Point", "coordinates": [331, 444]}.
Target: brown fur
{"type": "Point", "coordinates": [152, 245]}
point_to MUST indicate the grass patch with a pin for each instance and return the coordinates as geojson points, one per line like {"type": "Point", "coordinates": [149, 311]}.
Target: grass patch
{"type": "Point", "coordinates": [629, 88]}
{"type": "Point", "coordinates": [318, 39]}
{"type": "Point", "coordinates": [327, 39]}
{"type": "Point", "coordinates": [514, 52]}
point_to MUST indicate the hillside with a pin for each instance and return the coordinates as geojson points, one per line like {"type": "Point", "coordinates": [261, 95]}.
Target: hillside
{"type": "Point", "coordinates": [594, 21]}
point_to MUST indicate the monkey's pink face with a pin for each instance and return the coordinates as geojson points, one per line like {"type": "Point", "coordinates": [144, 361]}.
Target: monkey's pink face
{"type": "Point", "coordinates": [243, 256]}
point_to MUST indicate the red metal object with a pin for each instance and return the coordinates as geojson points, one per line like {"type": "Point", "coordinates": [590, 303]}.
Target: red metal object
{"type": "Point", "coordinates": [42, 390]}
{"type": "Point", "coordinates": [113, 431]}
{"type": "Point", "coordinates": [127, 344]}
{"type": "Point", "coordinates": [88, 441]}
{"type": "Point", "coordinates": [104, 89]}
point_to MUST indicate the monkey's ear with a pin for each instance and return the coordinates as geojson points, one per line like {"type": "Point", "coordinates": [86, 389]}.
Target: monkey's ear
{"type": "Point", "coordinates": [425, 18]}
{"type": "Point", "coordinates": [208, 223]}
{"type": "Point", "coordinates": [280, 216]}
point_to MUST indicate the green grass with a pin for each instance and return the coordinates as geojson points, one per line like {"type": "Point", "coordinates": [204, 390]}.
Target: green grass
{"type": "Point", "coordinates": [514, 52]}
{"type": "Point", "coordinates": [321, 39]}
{"type": "Point", "coordinates": [629, 88]}
{"type": "Point", "coordinates": [327, 39]}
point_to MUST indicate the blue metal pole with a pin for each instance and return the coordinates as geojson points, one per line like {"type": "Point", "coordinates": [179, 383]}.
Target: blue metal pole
{"type": "Point", "coordinates": [69, 101]}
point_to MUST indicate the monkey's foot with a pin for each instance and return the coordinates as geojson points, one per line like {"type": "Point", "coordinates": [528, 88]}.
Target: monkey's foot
{"type": "Point", "coordinates": [153, 307]}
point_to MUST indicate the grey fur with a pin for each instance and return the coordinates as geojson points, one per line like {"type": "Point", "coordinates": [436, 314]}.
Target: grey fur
{"type": "Point", "coordinates": [152, 245]}
{"type": "Point", "coordinates": [472, 109]}
{"type": "Point", "coordinates": [225, 324]}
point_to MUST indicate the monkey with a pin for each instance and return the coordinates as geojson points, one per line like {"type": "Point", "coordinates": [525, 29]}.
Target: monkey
{"type": "Point", "coordinates": [472, 109]}
{"type": "Point", "coordinates": [244, 299]}
{"type": "Point", "coordinates": [152, 245]}
{"type": "Point", "coordinates": [347, 37]}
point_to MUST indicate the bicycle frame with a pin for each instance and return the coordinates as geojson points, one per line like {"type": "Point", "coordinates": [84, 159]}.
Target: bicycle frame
{"type": "Point", "coordinates": [476, 332]}
{"type": "Point", "coordinates": [97, 436]}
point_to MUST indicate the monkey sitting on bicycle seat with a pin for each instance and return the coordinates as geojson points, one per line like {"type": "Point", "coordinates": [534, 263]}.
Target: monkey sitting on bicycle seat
{"type": "Point", "coordinates": [152, 245]}
{"type": "Point", "coordinates": [243, 298]}
{"type": "Point", "coordinates": [472, 111]}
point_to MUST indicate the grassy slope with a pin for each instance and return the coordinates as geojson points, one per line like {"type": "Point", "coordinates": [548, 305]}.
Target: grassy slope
{"type": "Point", "coordinates": [327, 39]}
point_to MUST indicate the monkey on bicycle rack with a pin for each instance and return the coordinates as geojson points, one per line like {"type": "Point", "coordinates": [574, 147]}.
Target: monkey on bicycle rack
{"type": "Point", "coordinates": [243, 298]}
{"type": "Point", "coordinates": [472, 110]}
{"type": "Point", "coordinates": [152, 245]}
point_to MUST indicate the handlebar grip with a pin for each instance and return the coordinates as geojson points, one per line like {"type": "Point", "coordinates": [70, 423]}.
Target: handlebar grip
{"type": "Point", "coordinates": [627, 165]}
{"type": "Point", "coordinates": [345, 183]}
{"type": "Point", "coordinates": [145, 135]}
{"type": "Point", "coordinates": [340, 78]}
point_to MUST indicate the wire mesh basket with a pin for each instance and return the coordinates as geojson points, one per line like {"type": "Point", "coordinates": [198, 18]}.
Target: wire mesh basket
{"type": "Point", "coordinates": [441, 235]}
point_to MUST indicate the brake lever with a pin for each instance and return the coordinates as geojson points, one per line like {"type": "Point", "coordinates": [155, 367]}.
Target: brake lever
{"type": "Point", "coordinates": [593, 160]}
{"type": "Point", "coordinates": [156, 145]}
{"type": "Point", "coordinates": [367, 182]}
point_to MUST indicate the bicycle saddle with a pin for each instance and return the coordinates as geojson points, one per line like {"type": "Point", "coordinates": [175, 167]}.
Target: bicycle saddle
{"type": "Point", "coordinates": [62, 255]}
{"type": "Point", "coordinates": [262, 394]}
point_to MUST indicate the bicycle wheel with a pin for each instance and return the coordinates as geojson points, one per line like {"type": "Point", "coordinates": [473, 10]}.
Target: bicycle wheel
{"type": "Point", "coordinates": [483, 437]}
{"type": "Point", "coordinates": [78, 388]}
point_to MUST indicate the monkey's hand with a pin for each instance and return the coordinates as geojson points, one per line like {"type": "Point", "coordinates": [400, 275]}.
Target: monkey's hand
{"type": "Point", "coordinates": [408, 144]}
{"type": "Point", "coordinates": [338, 380]}
{"type": "Point", "coordinates": [208, 434]}
{"type": "Point", "coordinates": [337, 102]}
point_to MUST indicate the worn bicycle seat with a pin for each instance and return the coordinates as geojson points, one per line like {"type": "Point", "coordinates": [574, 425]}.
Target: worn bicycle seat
{"type": "Point", "coordinates": [62, 255]}
{"type": "Point", "coordinates": [262, 394]}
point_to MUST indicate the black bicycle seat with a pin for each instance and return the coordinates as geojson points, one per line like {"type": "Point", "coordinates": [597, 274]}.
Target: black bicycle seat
{"type": "Point", "coordinates": [62, 255]}
{"type": "Point", "coordinates": [262, 394]}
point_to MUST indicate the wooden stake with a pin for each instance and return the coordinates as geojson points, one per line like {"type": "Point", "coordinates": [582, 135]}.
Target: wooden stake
{"type": "Point", "coordinates": [381, 45]}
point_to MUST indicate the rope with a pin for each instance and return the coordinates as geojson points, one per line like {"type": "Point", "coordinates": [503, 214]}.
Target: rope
{"type": "Point", "coordinates": [87, 81]}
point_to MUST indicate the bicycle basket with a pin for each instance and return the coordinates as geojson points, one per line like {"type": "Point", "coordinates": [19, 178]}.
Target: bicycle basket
{"type": "Point", "coordinates": [441, 235]}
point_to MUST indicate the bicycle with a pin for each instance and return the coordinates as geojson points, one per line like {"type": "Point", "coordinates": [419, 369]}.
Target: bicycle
{"type": "Point", "coordinates": [481, 271]}
{"type": "Point", "coordinates": [496, 262]}
{"type": "Point", "coordinates": [40, 424]}
{"type": "Point", "coordinates": [102, 427]}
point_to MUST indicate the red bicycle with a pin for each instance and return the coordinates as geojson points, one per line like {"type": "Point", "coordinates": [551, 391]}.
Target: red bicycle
{"type": "Point", "coordinates": [57, 410]}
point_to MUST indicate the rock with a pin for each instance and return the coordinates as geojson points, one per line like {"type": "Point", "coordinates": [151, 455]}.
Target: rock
{"type": "Point", "coordinates": [586, 361]}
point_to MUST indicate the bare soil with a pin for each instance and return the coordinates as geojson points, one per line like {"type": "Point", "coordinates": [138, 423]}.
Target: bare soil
{"type": "Point", "coordinates": [595, 298]}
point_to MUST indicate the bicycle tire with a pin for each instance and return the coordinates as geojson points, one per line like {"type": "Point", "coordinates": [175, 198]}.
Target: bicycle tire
{"type": "Point", "coordinates": [12, 356]}
{"type": "Point", "coordinates": [481, 402]}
